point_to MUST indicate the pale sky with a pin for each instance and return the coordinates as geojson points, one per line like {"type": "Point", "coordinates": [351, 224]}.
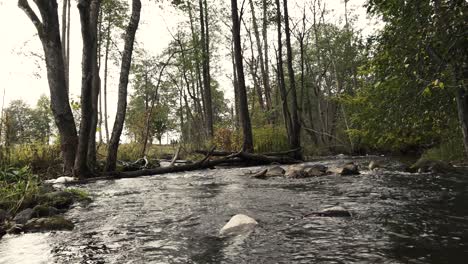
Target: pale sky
{"type": "Point", "coordinates": [23, 76]}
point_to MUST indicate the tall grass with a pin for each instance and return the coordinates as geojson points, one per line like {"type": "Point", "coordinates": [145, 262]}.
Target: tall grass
{"type": "Point", "coordinates": [18, 188]}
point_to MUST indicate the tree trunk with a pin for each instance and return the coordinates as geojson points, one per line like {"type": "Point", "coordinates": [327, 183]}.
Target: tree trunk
{"type": "Point", "coordinates": [266, 57]}
{"type": "Point", "coordinates": [296, 125]}
{"type": "Point", "coordinates": [89, 14]}
{"type": "Point", "coordinates": [106, 73]}
{"type": "Point", "coordinates": [64, 36]}
{"type": "Point", "coordinates": [123, 83]}
{"type": "Point", "coordinates": [49, 34]}
{"type": "Point", "coordinates": [243, 104]}
{"type": "Point", "coordinates": [260, 56]}
{"type": "Point", "coordinates": [204, 32]}
{"type": "Point", "coordinates": [280, 72]}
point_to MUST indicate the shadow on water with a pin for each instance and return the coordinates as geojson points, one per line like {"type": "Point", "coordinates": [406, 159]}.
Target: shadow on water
{"type": "Point", "coordinates": [397, 218]}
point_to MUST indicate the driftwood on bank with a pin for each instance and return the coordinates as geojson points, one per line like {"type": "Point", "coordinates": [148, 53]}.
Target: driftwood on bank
{"type": "Point", "coordinates": [239, 158]}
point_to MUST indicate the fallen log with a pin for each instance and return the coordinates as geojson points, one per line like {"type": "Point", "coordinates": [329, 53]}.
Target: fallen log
{"type": "Point", "coordinates": [239, 158]}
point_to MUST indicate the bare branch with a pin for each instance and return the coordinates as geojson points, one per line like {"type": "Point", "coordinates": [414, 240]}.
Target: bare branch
{"type": "Point", "coordinates": [24, 5]}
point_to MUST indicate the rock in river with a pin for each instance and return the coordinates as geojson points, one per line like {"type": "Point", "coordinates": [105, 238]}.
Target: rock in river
{"type": "Point", "coordinates": [336, 211]}
{"type": "Point", "coordinates": [23, 216]}
{"type": "Point", "coordinates": [48, 224]}
{"type": "Point", "coordinates": [275, 171]}
{"type": "Point", "coordinates": [238, 224]}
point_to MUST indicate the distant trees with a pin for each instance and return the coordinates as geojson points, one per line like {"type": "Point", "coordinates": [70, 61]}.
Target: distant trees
{"type": "Point", "coordinates": [24, 124]}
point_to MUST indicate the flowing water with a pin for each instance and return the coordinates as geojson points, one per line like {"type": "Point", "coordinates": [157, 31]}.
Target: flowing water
{"type": "Point", "coordinates": [175, 218]}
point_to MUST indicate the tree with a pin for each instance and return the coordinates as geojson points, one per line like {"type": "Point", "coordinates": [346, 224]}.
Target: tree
{"type": "Point", "coordinates": [424, 42]}
{"type": "Point", "coordinates": [85, 156]}
{"type": "Point", "coordinates": [295, 138]}
{"type": "Point", "coordinates": [243, 104]}
{"type": "Point", "coordinates": [49, 33]}
{"type": "Point", "coordinates": [123, 83]}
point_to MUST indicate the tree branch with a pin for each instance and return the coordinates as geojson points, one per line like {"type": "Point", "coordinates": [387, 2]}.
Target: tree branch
{"type": "Point", "coordinates": [24, 5]}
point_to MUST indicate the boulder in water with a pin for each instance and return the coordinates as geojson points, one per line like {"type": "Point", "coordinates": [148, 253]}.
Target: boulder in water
{"type": "Point", "coordinates": [315, 170]}
{"type": "Point", "coordinates": [374, 164]}
{"type": "Point", "coordinates": [238, 224]}
{"type": "Point", "coordinates": [275, 171]}
{"type": "Point", "coordinates": [48, 224]}
{"type": "Point", "coordinates": [295, 171]}
{"type": "Point", "coordinates": [350, 169]}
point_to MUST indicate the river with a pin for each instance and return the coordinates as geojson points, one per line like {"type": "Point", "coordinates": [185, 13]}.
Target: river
{"type": "Point", "coordinates": [175, 218]}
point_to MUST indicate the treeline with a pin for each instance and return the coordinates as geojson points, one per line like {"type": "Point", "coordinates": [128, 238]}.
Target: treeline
{"type": "Point", "coordinates": [299, 81]}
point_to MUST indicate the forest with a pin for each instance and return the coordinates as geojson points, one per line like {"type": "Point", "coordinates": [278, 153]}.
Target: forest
{"type": "Point", "coordinates": [241, 83]}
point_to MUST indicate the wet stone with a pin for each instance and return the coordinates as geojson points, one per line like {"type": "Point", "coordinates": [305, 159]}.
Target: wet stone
{"type": "Point", "coordinates": [23, 216]}
{"type": "Point", "coordinates": [48, 224]}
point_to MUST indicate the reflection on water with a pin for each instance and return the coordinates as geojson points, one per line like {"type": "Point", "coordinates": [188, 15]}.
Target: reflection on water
{"type": "Point", "coordinates": [175, 218]}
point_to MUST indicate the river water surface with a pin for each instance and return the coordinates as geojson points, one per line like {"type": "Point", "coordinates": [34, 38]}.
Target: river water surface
{"type": "Point", "coordinates": [175, 218]}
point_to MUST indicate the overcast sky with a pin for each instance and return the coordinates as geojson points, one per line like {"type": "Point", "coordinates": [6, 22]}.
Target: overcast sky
{"type": "Point", "coordinates": [23, 75]}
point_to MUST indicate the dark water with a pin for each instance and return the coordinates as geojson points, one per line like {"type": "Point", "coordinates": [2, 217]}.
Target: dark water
{"type": "Point", "coordinates": [397, 218]}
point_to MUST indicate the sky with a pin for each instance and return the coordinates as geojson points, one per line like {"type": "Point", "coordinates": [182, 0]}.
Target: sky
{"type": "Point", "coordinates": [22, 72]}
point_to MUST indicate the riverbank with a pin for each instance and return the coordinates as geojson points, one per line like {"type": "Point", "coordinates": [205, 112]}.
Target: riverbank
{"type": "Point", "coordinates": [28, 204]}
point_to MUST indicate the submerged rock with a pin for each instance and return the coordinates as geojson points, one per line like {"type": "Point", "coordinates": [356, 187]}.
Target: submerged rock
{"type": "Point", "coordinates": [48, 224]}
{"type": "Point", "coordinates": [23, 216]}
{"type": "Point", "coordinates": [238, 224]}
{"type": "Point", "coordinates": [336, 211]}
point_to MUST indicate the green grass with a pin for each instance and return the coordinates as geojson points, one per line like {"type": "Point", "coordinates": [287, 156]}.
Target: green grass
{"type": "Point", "coordinates": [19, 188]}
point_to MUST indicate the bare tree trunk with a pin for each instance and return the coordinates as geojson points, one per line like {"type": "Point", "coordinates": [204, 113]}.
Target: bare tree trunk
{"type": "Point", "coordinates": [280, 72]}
{"type": "Point", "coordinates": [253, 66]}
{"type": "Point", "coordinates": [206, 68]}
{"type": "Point", "coordinates": [296, 124]}
{"type": "Point", "coordinates": [199, 82]}
{"type": "Point", "coordinates": [243, 104]}
{"type": "Point", "coordinates": [266, 57]}
{"type": "Point", "coordinates": [123, 83]}
{"type": "Point", "coordinates": [89, 14]}
{"type": "Point", "coordinates": [49, 33]}
{"type": "Point", "coordinates": [64, 36]}
{"type": "Point", "coordinates": [106, 72]}
{"type": "Point", "coordinates": [235, 82]}
{"type": "Point", "coordinates": [265, 80]}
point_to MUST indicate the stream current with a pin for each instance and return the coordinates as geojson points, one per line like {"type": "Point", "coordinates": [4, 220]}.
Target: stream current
{"type": "Point", "coordinates": [175, 218]}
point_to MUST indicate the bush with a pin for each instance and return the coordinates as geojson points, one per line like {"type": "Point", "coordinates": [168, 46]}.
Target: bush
{"type": "Point", "coordinates": [450, 150]}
